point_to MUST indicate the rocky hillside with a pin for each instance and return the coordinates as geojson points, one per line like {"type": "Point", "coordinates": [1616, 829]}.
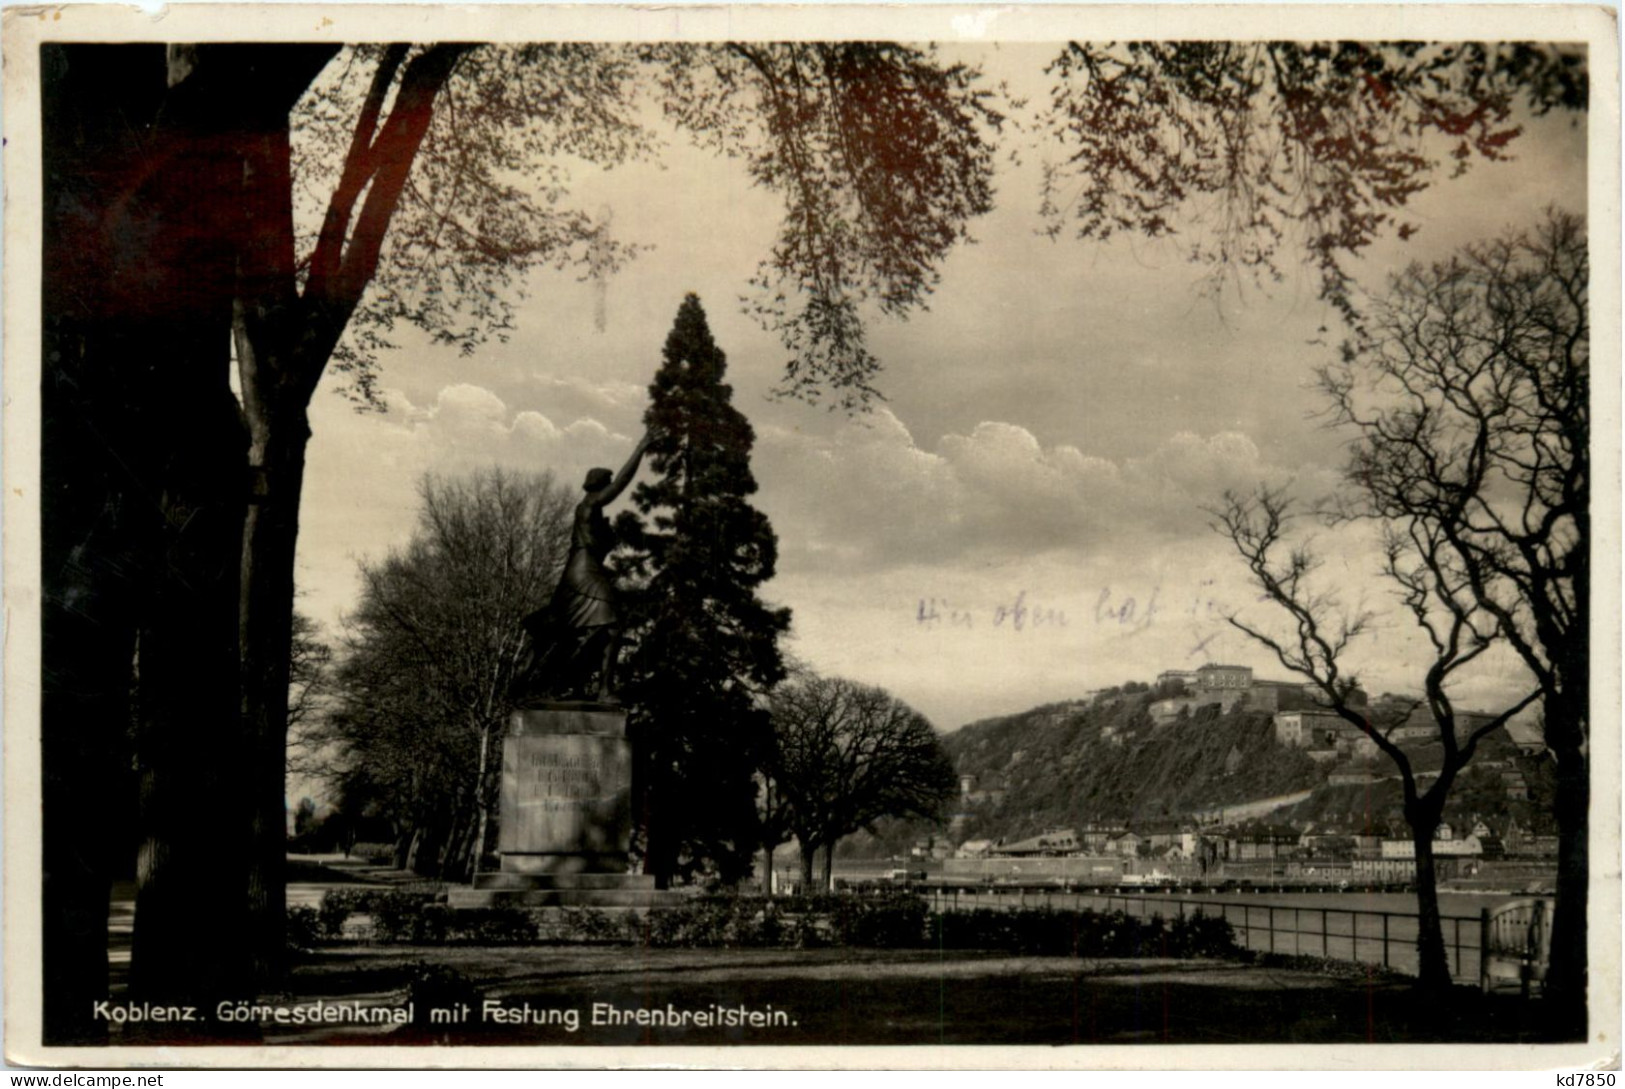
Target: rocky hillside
{"type": "Point", "coordinates": [1063, 765]}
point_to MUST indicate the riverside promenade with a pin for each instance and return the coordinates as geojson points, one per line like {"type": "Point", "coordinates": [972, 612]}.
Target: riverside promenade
{"type": "Point", "coordinates": [530, 995]}
{"type": "Point", "coordinates": [1374, 929]}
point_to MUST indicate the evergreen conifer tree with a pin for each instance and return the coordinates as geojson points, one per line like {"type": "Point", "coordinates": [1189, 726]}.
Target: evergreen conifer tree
{"type": "Point", "coordinates": [702, 646]}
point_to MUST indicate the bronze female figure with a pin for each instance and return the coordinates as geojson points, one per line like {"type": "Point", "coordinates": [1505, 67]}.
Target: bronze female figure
{"type": "Point", "coordinates": [578, 633]}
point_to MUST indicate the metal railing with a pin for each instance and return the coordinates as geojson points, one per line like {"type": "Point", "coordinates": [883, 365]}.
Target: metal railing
{"type": "Point", "coordinates": [1358, 935]}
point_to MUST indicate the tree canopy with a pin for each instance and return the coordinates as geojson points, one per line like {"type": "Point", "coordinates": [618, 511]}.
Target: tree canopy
{"type": "Point", "coordinates": [1468, 395]}
{"type": "Point", "coordinates": [704, 645]}
{"type": "Point", "coordinates": [429, 654]}
{"type": "Point", "coordinates": [1469, 400]}
{"type": "Point", "coordinates": [882, 153]}
{"type": "Point", "coordinates": [1248, 150]}
{"type": "Point", "coordinates": [843, 756]}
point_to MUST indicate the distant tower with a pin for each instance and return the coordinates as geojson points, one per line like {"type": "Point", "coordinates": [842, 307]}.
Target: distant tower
{"type": "Point", "coordinates": [967, 783]}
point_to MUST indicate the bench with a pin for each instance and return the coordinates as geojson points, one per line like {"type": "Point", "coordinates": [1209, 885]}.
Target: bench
{"type": "Point", "coordinates": [1515, 944]}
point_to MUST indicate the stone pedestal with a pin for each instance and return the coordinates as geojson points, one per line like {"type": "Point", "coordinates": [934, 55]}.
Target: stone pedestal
{"type": "Point", "coordinates": [566, 814]}
{"type": "Point", "coordinates": [566, 800]}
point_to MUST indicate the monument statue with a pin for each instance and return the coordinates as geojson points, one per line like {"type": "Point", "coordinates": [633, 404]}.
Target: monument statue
{"type": "Point", "coordinates": [565, 827]}
{"type": "Point", "coordinates": [577, 635]}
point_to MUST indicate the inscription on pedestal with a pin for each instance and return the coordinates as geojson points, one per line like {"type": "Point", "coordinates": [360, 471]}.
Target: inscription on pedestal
{"type": "Point", "coordinates": [566, 790]}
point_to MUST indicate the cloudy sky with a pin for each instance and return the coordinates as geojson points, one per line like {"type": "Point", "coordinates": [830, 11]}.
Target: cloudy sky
{"type": "Point", "coordinates": [1053, 428]}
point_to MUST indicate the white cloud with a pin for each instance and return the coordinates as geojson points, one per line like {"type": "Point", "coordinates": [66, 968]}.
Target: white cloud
{"type": "Point", "coordinates": [603, 397]}
{"type": "Point", "coordinates": [870, 494]}
{"type": "Point", "coordinates": [470, 426]}
{"type": "Point", "coordinates": [361, 485]}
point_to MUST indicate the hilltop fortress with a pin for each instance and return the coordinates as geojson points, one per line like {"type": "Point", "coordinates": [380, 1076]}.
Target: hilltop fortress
{"type": "Point", "coordinates": [1300, 716]}
{"type": "Point", "coordinates": [1231, 687]}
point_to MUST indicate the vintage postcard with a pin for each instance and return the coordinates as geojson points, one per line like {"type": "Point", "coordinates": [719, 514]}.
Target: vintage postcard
{"type": "Point", "coordinates": [847, 536]}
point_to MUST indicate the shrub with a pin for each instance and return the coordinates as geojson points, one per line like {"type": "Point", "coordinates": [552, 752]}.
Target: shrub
{"type": "Point", "coordinates": [378, 854]}
{"type": "Point", "coordinates": [337, 906]}
{"type": "Point", "coordinates": [486, 926]}
{"type": "Point", "coordinates": [1202, 935]}
{"type": "Point", "coordinates": [805, 922]}
{"type": "Point", "coordinates": [437, 924]}
{"type": "Point", "coordinates": [405, 917]}
{"type": "Point", "coordinates": [808, 929]}
{"type": "Point", "coordinates": [1336, 969]}
{"type": "Point", "coordinates": [305, 927]}
{"type": "Point", "coordinates": [887, 921]}
{"type": "Point", "coordinates": [705, 921]}
{"type": "Point", "coordinates": [1047, 932]}
{"type": "Point", "coordinates": [397, 914]}
{"type": "Point", "coordinates": [584, 924]}
{"type": "Point", "coordinates": [978, 929]}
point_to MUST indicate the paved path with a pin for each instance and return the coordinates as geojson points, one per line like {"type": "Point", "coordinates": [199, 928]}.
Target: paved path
{"type": "Point", "coordinates": [121, 917]}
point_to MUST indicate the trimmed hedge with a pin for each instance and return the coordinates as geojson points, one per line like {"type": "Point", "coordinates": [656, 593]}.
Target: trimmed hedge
{"type": "Point", "coordinates": [397, 914]}
{"type": "Point", "coordinates": [1057, 933]}
{"type": "Point", "coordinates": [1202, 935]}
{"type": "Point", "coordinates": [893, 921]}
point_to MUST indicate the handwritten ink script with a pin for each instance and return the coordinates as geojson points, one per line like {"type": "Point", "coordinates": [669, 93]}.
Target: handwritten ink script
{"type": "Point", "coordinates": [1130, 613]}
{"type": "Point", "coordinates": [1017, 614]}
{"type": "Point", "coordinates": [1126, 612]}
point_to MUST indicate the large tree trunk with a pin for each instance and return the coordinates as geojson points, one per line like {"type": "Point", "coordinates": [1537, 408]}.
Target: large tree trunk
{"type": "Point", "coordinates": [98, 104]}
{"type": "Point", "coordinates": [808, 850]}
{"type": "Point", "coordinates": [482, 800]}
{"type": "Point", "coordinates": [1567, 977]}
{"type": "Point", "coordinates": [660, 836]}
{"type": "Point", "coordinates": [85, 712]}
{"type": "Point", "coordinates": [267, 561]}
{"type": "Point", "coordinates": [190, 916]}
{"type": "Point", "coordinates": [187, 944]}
{"type": "Point", "coordinates": [270, 328]}
{"type": "Point", "coordinates": [90, 575]}
{"type": "Point", "coordinates": [139, 277]}
{"type": "Point", "coordinates": [1433, 967]}
{"type": "Point", "coordinates": [1567, 710]}
{"type": "Point", "coordinates": [284, 342]}
{"type": "Point", "coordinates": [278, 434]}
